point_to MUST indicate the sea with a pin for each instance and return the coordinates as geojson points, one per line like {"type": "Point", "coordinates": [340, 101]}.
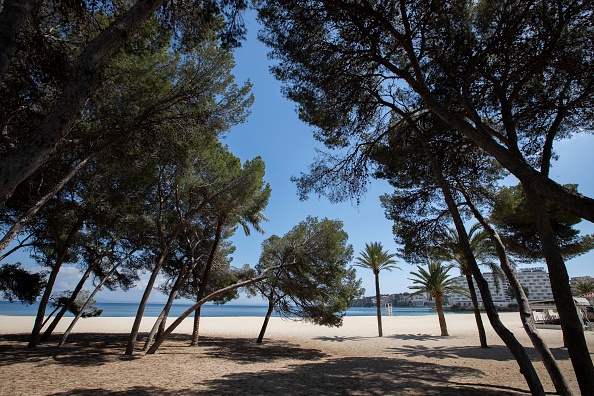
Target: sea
{"type": "Point", "coordinates": [127, 309]}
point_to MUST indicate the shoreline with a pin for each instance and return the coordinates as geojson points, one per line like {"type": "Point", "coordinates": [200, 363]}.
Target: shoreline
{"type": "Point", "coordinates": [295, 358]}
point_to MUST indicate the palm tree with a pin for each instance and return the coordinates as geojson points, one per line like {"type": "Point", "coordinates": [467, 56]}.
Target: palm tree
{"type": "Point", "coordinates": [450, 250]}
{"type": "Point", "coordinates": [375, 258]}
{"type": "Point", "coordinates": [436, 282]}
{"type": "Point", "coordinates": [584, 288]}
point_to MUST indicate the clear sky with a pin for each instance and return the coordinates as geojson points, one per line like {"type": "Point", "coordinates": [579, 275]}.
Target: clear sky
{"type": "Point", "coordinates": [274, 132]}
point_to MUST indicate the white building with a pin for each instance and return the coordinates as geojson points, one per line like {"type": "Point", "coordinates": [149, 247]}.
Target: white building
{"type": "Point", "coordinates": [535, 280]}
{"type": "Point", "coordinates": [420, 300]}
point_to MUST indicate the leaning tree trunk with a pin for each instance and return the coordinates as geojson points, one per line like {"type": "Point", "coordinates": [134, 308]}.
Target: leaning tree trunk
{"type": "Point", "coordinates": [266, 319]}
{"type": "Point", "coordinates": [36, 150]}
{"type": "Point", "coordinates": [517, 350]}
{"type": "Point", "coordinates": [559, 381]}
{"type": "Point", "coordinates": [440, 315]}
{"type": "Point", "coordinates": [48, 332]}
{"type": "Point", "coordinates": [88, 302]}
{"type": "Point", "coordinates": [159, 325]}
{"type": "Point", "coordinates": [378, 298]}
{"type": "Point", "coordinates": [211, 296]}
{"type": "Point", "coordinates": [30, 214]}
{"type": "Point", "coordinates": [205, 279]}
{"type": "Point", "coordinates": [196, 327]}
{"type": "Point", "coordinates": [141, 307]}
{"type": "Point", "coordinates": [571, 323]}
{"type": "Point", "coordinates": [34, 339]}
{"type": "Point", "coordinates": [477, 312]}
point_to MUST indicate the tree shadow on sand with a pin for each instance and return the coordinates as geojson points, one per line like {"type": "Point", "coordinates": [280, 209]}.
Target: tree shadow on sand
{"type": "Point", "coordinates": [87, 349]}
{"type": "Point", "coordinates": [415, 337]}
{"type": "Point", "coordinates": [361, 375]}
{"type": "Point", "coordinates": [343, 339]}
{"type": "Point", "coordinates": [340, 376]}
{"type": "Point", "coordinates": [496, 352]}
{"type": "Point", "coordinates": [245, 350]}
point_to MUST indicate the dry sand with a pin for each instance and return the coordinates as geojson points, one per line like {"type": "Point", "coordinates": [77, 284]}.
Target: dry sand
{"type": "Point", "coordinates": [295, 359]}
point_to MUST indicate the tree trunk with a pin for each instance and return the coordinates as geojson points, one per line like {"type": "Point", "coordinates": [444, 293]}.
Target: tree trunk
{"type": "Point", "coordinates": [575, 203]}
{"type": "Point", "coordinates": [378, 305]}
{"type": "Point", "coordinates": [211, 296]}
{"type": "Point", "coordinates": [50, 316]}
{"type": "Point", "coordinates": [196, 327]}
{"type": "Point", "coordinates": [142, 305]}
{"type": "Point", "coordinates": [36, 151]}
{"type": "Point", "coordinates": [26, 218]}
{"type": "Point", "coordinates": [477, 312]}
{"type": "Point", "coordinates": [12, 18]}
{"type": "Point", "coordinates": [440, 315]}
{"type": "Point", "coordinates": [88, 302]}
{"type": "Point", "coordinates": [159, 325]}
{"type": "Point", "coordinates": [571, 323]}
{"type": "Point", "coordinates": [559, 381]}
{"type": "Point", "coordinates": [205, 278]}
{"type": "Point", "coordinates": [34, 339]}
{"type": "Point", "coordinates": [48, 332]}
{"type": "Point", "coordinates": [266, 320]}
{"type": "Point", "coordinates": [518, 351]}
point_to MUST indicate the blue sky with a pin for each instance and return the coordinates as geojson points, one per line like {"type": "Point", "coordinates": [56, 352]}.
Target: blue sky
{"type": "Point", "coordinates": [274, 132]}
{"type": "Point", "coordinates": [286, 144]}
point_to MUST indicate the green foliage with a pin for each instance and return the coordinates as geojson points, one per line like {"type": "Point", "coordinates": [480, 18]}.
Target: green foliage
{"type": "Point", "coordinates": [313, 281]}
{"type": "Point", "coordinates": [513, 219]}
{"type": "Point", "coordinates": [90, 312]}
{"type": "Point", "coordinates": [513, 77]}
{"type": "Point", "coordinates": [434, 281]}
{"type": "Point", "coordinates": [450, 250]}
{"type": "Point", "coordinates": [511, 293]}
{"type": "Point", "coordinates": [19, 284]}
{"type": "Point", "coordinates": [375, 258]}
{"type": "Point", "coordinates": [583, 288]}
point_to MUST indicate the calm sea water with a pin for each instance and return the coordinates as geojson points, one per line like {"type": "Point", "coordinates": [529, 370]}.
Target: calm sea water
{"type": "Point", "coordinates": [209, 310]}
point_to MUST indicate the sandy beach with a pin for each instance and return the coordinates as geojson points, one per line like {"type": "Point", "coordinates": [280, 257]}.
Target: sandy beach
{"type": "Point", "coordinates": [296, 358]}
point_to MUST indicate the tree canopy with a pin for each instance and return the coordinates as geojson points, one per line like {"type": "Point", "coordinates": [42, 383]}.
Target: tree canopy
{"type": "Point", "coordinates": [313, 280]}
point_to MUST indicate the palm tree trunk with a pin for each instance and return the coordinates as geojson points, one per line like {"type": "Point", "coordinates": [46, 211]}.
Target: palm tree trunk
{"type": "Point", "coordinates": [378, 305]}
{"type": "Point", "coordinates": [442, 322]}
{"type": "Point", "coordinates": [477, 312]}
{"type": "Point", "coordinates": [266, 320]}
